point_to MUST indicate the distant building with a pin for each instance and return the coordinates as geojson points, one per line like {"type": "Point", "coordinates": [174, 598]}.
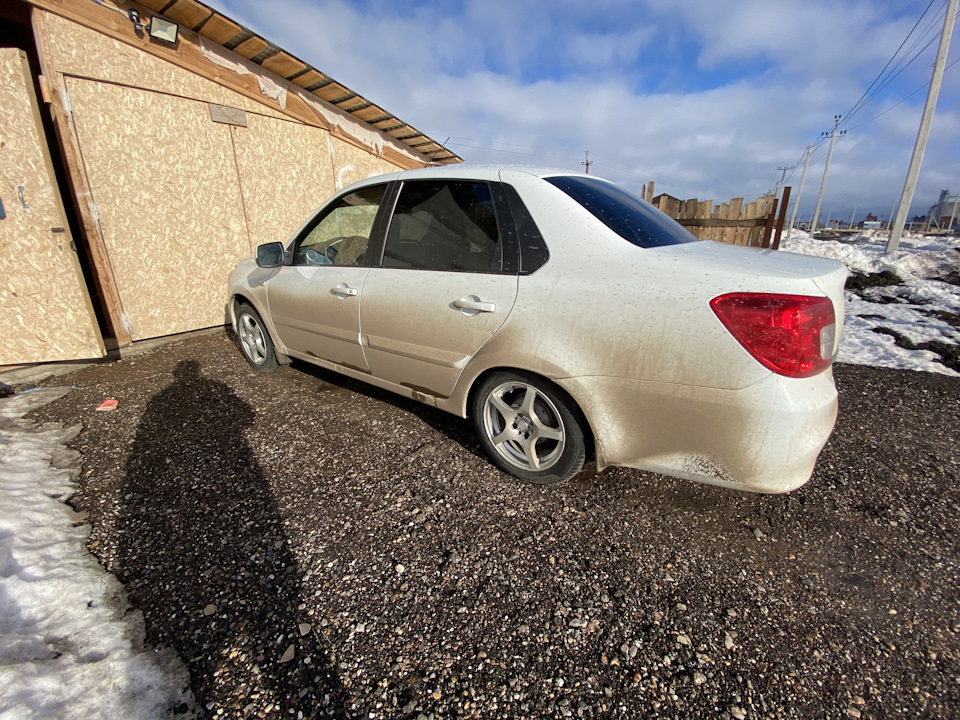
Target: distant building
{"type": "Point", "coordinates": [944, 213]}
{"type": "Point", "coordinates": [870, 222]}
{"type": "Point", "coordinates": [664, 198]}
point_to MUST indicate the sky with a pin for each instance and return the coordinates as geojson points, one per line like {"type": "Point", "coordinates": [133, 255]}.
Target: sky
{"type": "Point", "coordinates": [707, 99]}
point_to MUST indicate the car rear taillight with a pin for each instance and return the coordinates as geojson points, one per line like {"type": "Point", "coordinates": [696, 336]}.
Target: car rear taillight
{"type": "Point", "coordinates": [793, 335]}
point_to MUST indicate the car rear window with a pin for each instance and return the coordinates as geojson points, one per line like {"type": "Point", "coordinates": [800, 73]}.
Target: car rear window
{"type": "Point", "coordinates": [629, 217]}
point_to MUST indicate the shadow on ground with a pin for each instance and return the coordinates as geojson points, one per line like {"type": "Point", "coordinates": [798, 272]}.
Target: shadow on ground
{"type": "Point", "coordinates": [196, 508]}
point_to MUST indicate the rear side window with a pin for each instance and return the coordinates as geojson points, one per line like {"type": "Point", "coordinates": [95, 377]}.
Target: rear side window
{"type": "Point", "coordinates": [444, 225]}
{"type": "Point", "coordinates": [629, 217]}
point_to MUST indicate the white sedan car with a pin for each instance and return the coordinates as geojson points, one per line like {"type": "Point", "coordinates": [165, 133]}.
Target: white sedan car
{"type": "Point", "coordinates": [566, 317]}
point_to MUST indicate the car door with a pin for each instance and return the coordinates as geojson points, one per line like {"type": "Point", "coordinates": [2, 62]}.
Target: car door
{"type": "Point", "coordinates": [446, 284]}
{"type": "Point", "coordinates": [314, 301]}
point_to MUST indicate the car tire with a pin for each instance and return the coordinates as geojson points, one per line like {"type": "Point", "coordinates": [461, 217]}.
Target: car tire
{"type": "Point", "coordinates": [255, 342]}
{"type": "Point", "coordinates": [529, 427]}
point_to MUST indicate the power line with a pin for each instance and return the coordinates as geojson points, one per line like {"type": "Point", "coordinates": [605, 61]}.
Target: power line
{"type": "Point", "coordinates": [895, 66]}
{"type": "Point", "coordinates": [903, 100]}
{"type": "Point", "coordinates": [641, 173]}
{"type": "Point", "coordinates": [865, 92]}
{"type": "Point", "coordinates": [891, 70]}
{"type": "Point", "coordinates": [499, 142]}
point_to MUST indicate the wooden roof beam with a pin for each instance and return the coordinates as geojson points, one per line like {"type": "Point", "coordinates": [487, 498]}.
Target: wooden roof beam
{"type": "Point", "coordinates": [219, 29]}
{"type": "Point", "coordinates": [188, 13]}
{"type": "Point", "coordinates": [251, 47]}
{"type": "Point", "coordinates": [283, 64]}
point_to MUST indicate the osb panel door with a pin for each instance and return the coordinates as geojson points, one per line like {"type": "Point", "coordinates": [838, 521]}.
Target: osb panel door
{"type": "Point", "coordinates": [285, 174]}
{"type": "Point", "coordinates": [164, 180]}
{"type": "Point", "coordinates": [45, 310]}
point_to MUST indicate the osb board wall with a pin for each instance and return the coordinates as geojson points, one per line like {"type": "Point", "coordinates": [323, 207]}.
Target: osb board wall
{"type": "Point", "coordinates": [352, 164]}
{"type": "Point", "coordinates": [45, 313]}
{"type": "Point", "coordinates": [77, 50]}
{"type": "Point", "coordinates": [165, 183]}
{"type": "Point", "coordinates": [182, 198]}
{"type": "Point", "coordinates": [285, 173]}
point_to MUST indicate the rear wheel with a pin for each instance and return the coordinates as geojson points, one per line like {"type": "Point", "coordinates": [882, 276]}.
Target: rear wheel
{"type": "Point", "coordinates": [255, 341]}
{"type": "Point", "coordinates": [529, 428]}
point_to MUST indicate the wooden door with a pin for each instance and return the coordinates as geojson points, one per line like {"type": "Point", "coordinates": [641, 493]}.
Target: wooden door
{"type": "Point", "coordinates": [45, 309]}
{"type": "Point", "coordinates": [164, 179]}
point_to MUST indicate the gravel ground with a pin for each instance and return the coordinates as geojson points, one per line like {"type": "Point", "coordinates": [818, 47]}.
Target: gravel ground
{"type": "Point", "coordinates": [314, 547]}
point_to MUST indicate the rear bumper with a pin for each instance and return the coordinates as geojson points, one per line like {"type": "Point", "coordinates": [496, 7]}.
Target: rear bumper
{"type": "Point", "coordinates": [763, 438]}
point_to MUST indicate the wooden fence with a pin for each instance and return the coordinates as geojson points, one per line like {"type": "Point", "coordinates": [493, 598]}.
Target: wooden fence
{"type": "Point", "coordinates": [755, 224]}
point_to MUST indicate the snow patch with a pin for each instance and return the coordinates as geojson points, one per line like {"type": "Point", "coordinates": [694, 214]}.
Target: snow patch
{"type": "Point", "coordinates": [69, 647]}
{"type": "Point", "coordinates": [914, 309]}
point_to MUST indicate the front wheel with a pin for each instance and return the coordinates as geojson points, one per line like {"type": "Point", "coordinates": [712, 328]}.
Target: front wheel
{"type": "Point", "coordinates": [529, 428]}
{"type": "Point", "coordinates": [255, 341]}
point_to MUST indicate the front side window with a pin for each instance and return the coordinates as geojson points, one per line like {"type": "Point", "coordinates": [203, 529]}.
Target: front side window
{"type": "Point", "coordinates": [444, 225]}
{"type": "Point", "coordinates": [341, 235]}
{"type": "Point", "coordinates": [628, 216]}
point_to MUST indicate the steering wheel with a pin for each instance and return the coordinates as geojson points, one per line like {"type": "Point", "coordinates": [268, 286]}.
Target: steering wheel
{"type": "Point", "coordinates": [315, 258]}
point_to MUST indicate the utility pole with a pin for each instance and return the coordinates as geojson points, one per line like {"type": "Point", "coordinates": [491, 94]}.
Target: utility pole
{"type": "Point", "coordinates": [910, 185]}
{"type": "Point", "coordinates": [826, 169]}
{"type": "Point", "coordinates": [853, 216]}
{"type": "Point", "coordinates": [796, 203]}
{"type": "Point", "coordinates": [782, 176]}
{"type": "Point", "coordinates": [588, 162]}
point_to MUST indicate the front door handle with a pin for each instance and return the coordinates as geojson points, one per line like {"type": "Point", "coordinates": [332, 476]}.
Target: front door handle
{"type": "Point", "coordinates": [472, 302]}
{"type": "Point", "coordinates": [344, 289]}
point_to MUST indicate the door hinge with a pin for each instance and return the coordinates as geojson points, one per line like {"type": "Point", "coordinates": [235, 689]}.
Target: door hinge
{"type": "Point", "coordinates": [67, 105]}
{"type": "Point", "coordinates": [95, 210]}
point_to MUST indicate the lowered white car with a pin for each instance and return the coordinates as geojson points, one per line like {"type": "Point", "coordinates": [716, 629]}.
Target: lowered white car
{"type": "Point", "coordinates": [569, 319]}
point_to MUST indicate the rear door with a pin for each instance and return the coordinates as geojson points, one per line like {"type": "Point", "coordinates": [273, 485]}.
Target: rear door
{"type": "Point", "coordinates": [446, 284]}
{"type": "Point", "coordinates": [46, 309]}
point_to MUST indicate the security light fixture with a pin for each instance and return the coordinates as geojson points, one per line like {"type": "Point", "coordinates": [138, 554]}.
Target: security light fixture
{"type": "Point", "coordinates": [164, 30]}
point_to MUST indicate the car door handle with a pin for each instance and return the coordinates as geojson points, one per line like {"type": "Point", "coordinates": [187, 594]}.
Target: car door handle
{"type": "Point", "coordinates": [472, 302]}
{"type": "Point", "coordinates": [344, 289]}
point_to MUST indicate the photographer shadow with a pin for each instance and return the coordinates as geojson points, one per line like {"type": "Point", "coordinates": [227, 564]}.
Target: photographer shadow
{"type": "Point", "coordinates": [204, 555]}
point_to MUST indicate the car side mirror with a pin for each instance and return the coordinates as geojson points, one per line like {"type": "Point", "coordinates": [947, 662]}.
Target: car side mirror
{"type": "Point", "coordinates": [270, 255]}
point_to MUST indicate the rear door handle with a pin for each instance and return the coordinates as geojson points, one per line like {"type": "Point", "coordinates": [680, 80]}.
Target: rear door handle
{"type": "Point", "coordinates": [344, 289]}
{"type": "Point", "coordinates": [472, 302]}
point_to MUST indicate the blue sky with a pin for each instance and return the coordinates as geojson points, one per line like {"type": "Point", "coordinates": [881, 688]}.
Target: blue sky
{"type": "Point", "coordinates": [705, 98]}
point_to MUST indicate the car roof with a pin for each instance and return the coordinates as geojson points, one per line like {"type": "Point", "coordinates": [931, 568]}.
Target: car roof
{"type": "Point", "coordinates": [468, 171]}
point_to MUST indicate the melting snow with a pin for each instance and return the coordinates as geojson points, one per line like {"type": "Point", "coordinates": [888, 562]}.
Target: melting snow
{"type": "Point", "coordinates": [919, 309]}
{"type": "Point", "coordinates": [69, 648]}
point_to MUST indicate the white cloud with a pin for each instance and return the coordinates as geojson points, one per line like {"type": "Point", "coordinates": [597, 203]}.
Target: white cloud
{"type": "Point", "coordinates": [605, 50]}
{"type": "Point", "coordinates": [705, 98]}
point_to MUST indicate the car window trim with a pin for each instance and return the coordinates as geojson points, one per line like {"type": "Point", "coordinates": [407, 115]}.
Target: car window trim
{"type": "Point", "coordinates": [381, 225]}
{"type": "Point", "coordinates": [507, 226]}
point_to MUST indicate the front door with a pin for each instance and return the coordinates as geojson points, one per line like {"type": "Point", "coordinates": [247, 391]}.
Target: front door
{"type": "Point", "coordinates": [46, 309]}
{"type": "Point", "coordinates": [315, 301]}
